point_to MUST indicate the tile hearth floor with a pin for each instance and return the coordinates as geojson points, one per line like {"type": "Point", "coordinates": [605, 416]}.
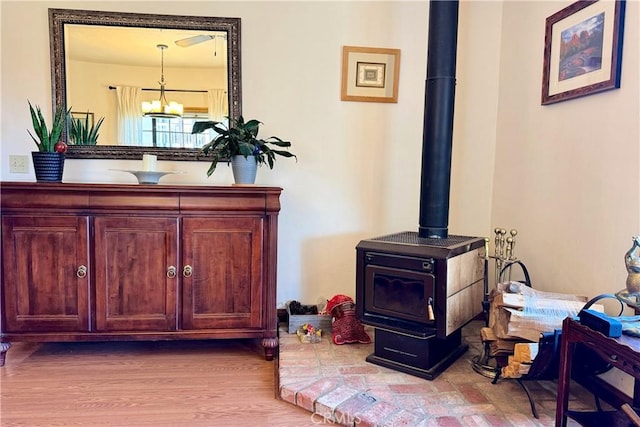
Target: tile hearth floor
{"type": "Point", "coordinates": [337, 383]}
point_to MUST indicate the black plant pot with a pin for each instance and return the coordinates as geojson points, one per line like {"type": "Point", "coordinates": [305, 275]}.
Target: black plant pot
{"type": "Point", "coordinates": [48, 166]}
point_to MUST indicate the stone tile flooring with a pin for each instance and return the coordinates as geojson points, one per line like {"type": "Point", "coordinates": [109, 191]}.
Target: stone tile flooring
{"type": "Point", "coordinates": [336, 382]}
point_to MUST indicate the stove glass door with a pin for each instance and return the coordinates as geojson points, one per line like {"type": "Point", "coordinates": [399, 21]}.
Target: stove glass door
{"type": "Point", "coordinates": [397, 293]}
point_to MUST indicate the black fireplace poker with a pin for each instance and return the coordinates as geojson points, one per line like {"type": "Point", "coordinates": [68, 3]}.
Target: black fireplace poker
{"type": "Point", "coordinates": [438, 119]}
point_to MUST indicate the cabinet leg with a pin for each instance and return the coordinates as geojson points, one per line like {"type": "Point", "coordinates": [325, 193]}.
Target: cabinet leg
{"type": "Point", "coordinates": [4, 347]}
{"type": "Point", "coordinates": [270, 346]}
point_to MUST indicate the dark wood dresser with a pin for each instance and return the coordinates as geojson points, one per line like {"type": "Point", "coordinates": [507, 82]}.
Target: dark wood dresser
{"type": "Point", "coordinates": [102, 262]}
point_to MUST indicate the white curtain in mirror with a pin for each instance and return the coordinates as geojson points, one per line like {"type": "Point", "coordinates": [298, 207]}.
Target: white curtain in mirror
{"type": "Point", "coordinates": [129, 100]}
{"type": "Point", "coordinates": [217, 104]}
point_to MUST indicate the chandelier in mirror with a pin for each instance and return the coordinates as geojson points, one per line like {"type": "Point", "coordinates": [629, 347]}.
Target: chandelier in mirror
{"type": "Point", "coordinates": [161, 108]}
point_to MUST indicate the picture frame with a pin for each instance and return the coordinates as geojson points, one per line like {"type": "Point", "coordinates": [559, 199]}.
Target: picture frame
{"type": "Point", "coordinates": [582, 50]}
{"type": "Point", "coordinates": [75, 115]}
{"type": "Point", "coordinates": [370, 74]}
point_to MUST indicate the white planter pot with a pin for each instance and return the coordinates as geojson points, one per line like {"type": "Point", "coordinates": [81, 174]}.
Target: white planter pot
{"type": "Point", "coordinates": [244, 169]}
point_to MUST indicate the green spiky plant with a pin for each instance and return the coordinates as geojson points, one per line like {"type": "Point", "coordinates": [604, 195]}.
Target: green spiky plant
{"type": "Point", "coordinates": [46, 140]}
{"type": "Point", "coordinates": [83, 133]}
{"type": "Point", "coordinates": [240, 138]}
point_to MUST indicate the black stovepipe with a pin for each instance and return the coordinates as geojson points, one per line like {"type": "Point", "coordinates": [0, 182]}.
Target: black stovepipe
{"type": "Point", "coordinates": [438, 119]}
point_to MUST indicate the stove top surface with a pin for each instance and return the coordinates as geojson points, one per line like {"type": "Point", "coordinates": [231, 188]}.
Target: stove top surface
{"type": "Point", "coordinates": [412, 238]}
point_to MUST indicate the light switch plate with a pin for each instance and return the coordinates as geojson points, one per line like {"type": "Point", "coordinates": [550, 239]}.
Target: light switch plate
{"type": "Point", "coordinates": [18, 164]}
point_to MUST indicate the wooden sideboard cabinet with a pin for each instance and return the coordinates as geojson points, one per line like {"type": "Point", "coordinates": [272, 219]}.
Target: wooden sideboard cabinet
{"type": "Point", "coordinates": [101, 262]}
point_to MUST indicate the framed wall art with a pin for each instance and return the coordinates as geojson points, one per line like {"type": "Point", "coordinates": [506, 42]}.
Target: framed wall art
{"type": "Point", "coordinates": [82, 116]}
{"type": "Point", "coordinates": [582, 50]}
{"type": "Point", "coordinates": [370, 74]}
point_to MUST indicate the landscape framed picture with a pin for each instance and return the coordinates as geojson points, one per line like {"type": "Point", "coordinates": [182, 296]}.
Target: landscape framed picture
{"type": "Point", "coordinates": [583, 50]}
{"type": "Point", "coordinates": [370, 74]}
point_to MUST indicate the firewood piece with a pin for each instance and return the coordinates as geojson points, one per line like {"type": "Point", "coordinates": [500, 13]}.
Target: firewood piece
{"type": "Point", "coordinates": [487, 334]}
{"type": "Point", "coordinates": [525, 352]}
{"type": "Point", "coordinates": [501, 347]}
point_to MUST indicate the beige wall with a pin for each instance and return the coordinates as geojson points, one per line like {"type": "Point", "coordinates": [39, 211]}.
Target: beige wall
{"type": "Point", "coordinates": [565, 175]}
{"type": "Point", "coordinates": [357, 173]}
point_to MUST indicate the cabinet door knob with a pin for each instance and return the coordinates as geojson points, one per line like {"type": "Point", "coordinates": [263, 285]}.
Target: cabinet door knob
{"type": "Point", "coordinates": [81, 272]}
{"type": "Point", "coordinates": [187, 271]}
{"type": "Point", "coordinates": [171, 272]}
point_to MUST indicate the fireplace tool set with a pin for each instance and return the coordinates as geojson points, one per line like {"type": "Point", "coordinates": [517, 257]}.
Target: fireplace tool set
{"type": "Point", "coordinates": [504, 260]}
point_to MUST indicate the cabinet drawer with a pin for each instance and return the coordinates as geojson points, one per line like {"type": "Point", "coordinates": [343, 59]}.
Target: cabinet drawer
{"type": "Point", "coordinates": [41, 198]}
{"type": "Point", "coordinates": [223, 202]}
{"type": "Point", "coordinates": [128, 200]}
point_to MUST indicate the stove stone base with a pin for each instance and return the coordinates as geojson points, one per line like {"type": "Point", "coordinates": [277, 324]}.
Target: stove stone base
{"type": "Point", "coordinates": [424, 357]}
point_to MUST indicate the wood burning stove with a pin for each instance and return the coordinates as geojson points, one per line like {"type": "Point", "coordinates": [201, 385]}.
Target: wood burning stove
{"type": "Point", "coordinates": [419, 288]}
{"type": "Point", "coordinates": [417, 293]}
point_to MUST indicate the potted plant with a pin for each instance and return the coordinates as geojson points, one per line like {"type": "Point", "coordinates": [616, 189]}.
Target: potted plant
{"type": "Point", "coordinates": [48, 161]}
{"type": "Point", "coordinates": [238, 141]}
{"type": "Point", "coordinates": [81, 132]}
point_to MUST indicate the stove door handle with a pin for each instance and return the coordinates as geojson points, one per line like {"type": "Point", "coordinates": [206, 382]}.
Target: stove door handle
{"type": "Point", "coordinates": [430, 313]}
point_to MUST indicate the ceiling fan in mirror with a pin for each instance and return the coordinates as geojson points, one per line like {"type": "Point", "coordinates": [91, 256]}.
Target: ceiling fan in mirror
{"type": "Point", "coordinates": [200, 38]}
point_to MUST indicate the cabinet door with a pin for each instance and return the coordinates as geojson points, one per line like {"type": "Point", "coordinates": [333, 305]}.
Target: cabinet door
{"type": "Point", "coordinates": [45, 273]}
{"type": "Point", "coordinates": [135, 286]}
{"type": "Point", "coordinates": [224, 289]}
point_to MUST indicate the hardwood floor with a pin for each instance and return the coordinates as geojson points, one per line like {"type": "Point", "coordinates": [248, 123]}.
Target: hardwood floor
{"type": "Point", "coordinates": [168, 383]}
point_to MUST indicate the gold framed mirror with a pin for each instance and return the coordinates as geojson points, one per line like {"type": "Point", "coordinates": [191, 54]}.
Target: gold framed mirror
{"type": "Point", "coordinates": [96, 55]}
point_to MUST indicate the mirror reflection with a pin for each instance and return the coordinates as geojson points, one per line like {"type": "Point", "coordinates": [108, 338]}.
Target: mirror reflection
{"type": "Point", "coordinates": [149, 76]}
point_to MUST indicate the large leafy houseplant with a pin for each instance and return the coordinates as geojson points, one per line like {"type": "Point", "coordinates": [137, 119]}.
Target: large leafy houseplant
{"type": "Point", "coordinates": [240, 138]}
{"type": "Point", "coordinates": [81, 132]}
{"type": "Point", "coordinates": [46, 140]}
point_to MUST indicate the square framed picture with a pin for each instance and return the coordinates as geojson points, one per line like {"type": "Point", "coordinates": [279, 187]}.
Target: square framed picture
{"type": "Point", "coordinates": [370, 74]}
{"type": "Point", "coordinates": [82, 116]}
{"type": "Point", "coordinates": [583, 50]}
